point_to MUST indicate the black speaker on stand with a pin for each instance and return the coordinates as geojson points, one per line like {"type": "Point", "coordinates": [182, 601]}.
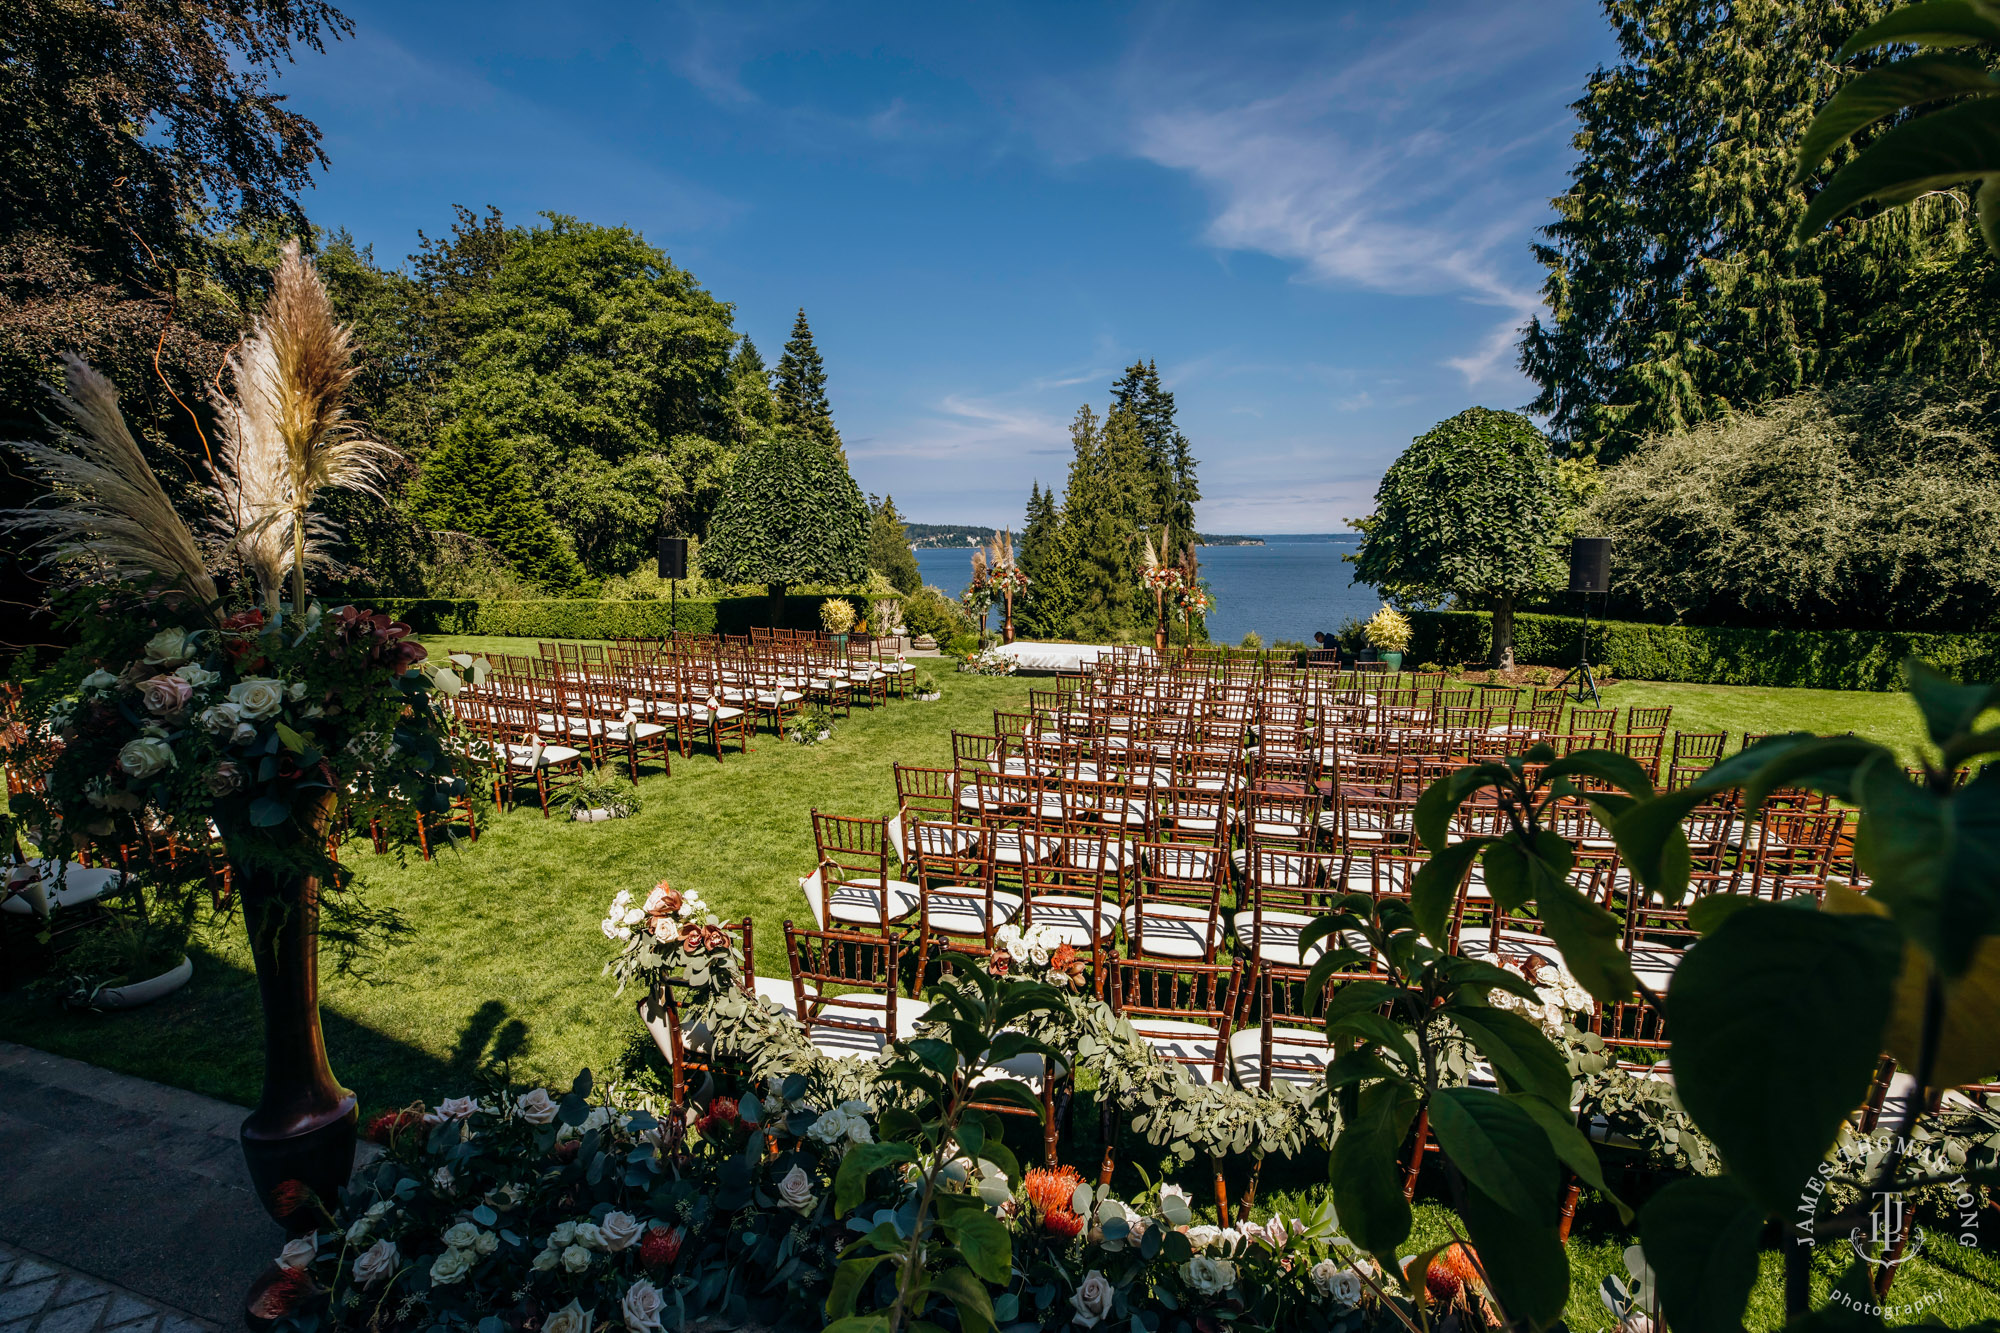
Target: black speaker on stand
{"type": "Point", "coordinates": [674, 568]}
{"type": "Point", "coordinates": [1589, 575]}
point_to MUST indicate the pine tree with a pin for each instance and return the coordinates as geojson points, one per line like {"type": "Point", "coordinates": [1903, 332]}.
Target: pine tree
{"type": "Point", "coordinates": [474, 483]}
{"type": "Point", "coordinates": [1097, 597]}
{"type": "Point", "coordinates": [1169, 458]}
{"type": "Point", "coordinates": [801, 388]}
{"type": "Point", "coordinates": [1037, 555]}
{"type": "Point", "coordinates": [1676, 289]}
{"type": "Point", "coordinates": [889, 551]}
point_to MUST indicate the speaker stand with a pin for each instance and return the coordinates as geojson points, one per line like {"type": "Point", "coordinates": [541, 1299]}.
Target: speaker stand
{"type": "Point", "coordinates": [1580, 673]}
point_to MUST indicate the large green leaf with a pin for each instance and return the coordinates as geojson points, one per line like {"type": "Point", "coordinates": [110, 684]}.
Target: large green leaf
{"type": "Point", "coordinates": [1367, 1171]}
{"type": "Point", "coordinates": [1652, 842]}
{"type": "Point", "coordinates": [1440, 801]}
{"type": "Point", "coordinates": [1930, 23]}
{"type": "Point", "coordinates": [1700, 1236]}
{"type": "Point", "coordinates": [968, 1296]}
{"type": "Point", "coordinates": [1878, 93]}
{"type": "Point", "coordinates": [1934, 859]}
{"type": "Point", "coordinates": [1571, 1145]}
{"type": "Point", "coordinates": [1590, 939]}
{"type": "Point", "coordinates": [847, 1283]}
{"type": "Point", "coordinates": [1434, 888]}
{"type": "Point", "coordinates": [1525, 1263]}
{"type": "Point", "coordinates": [1776, 1022]}
{"type": "Point", "coordinates": [1949, 708]}
{"type": "Point", "coordinates": [1526, 1060]}
{"type": "Point", "coordinates": [983, 1241]}
{"type": "Point", "coordinates": [1947, 147]}
{"type": "Point", "coordinates": [1500, 1149]}
{"type": "Point", "coordinates": [1620, 770]}
{"type": "Point", "coordinates": [850, 1183]}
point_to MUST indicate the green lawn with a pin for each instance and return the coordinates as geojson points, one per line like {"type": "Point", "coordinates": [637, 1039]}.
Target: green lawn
{"type": "Point", "coordinates": [505, 957]}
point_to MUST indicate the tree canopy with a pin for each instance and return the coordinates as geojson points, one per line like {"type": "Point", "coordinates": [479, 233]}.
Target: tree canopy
{"type": "Point", "coordinates": [1868, 506]}
{"type": "Point", "coordinates": [790, 514]}
{"type": "Point", "coordinates": [889, 551]}
{"type": "Point", "coordinates": [1473, 509]}
{"type": "Point", "coordinates": [474, 483]}
{"type": "Point", "coordinates": [1677, 289]}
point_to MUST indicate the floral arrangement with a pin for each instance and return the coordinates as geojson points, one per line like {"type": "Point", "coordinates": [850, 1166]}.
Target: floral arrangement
{"type": "Point", "coordinates": [556, 1210]}
{"type": "Point", "coordinates": [1040, 948]}
{"type": "Point", "coordinates": [658, 938]}
{"type": "Point", "coordinates": [1196, 601]}
{"type": "Point", "coordinates": [253, 723]}
{"type": "Point", "coordinates": [1162, 578]}
{"type": "Point", "coordinates": [1388, 631]}
{"type": "Point", "coordinates": [1559, 997]}
{"type": "Point", "coordinates": [991, 662]}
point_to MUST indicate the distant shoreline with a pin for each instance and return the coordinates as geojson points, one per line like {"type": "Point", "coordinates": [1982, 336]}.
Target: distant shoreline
{"type": "Point", "coordinates": [965, 536]}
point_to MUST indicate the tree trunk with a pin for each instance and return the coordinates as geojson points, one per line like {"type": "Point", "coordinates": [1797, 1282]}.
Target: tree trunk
{"type": "Point", "coordinates": [777, 591]}
{"type": "Point", "coordinates": [1503, 633]}
{"type": "Point", "coordinates": [303, 1129]}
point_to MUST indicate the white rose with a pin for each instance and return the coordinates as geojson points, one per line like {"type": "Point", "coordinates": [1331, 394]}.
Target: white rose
{"type": "Point", "coordinates": [450, 1267]}
{"type": "Point", "coordinates": [666, 930]}
{"type": "Point", "coordinates": [199, 676]}
{"type": "Point", "coordinates": [219, 719]}
{"type": "Point", "coordinates": [358, 1230]}
{"type": "Point", "coordinates": [795, 1191]}
{"type": "Point", "coordinates": [167, 648]}
{"type": "Point", "coordinates": [576, 1258]}
{"type": "Point", "coordinates": [537, 1107]}
{"type": "Point", "coordinates": [544, 1261]}
{"type": "Point", "coordinates": [295, 691]}
{"type": "Point", "coordinates": [258, 696]}
{"type": "Point", "coordinates": [1092, 1299]}
{"type": "Point", "coordinates": [1346, 1288]}
{"type": "Point", "coordinates": [1203, 1236]}
{"type": "Point", "coordinates": [486, 1244]}
{"type": "Point", "coordinates": [244, 734]}
{"type": "Point", "coordinates": [641, 1307]}
{"type": "Point", "coordinates": [144, 757]}
{"type": "Point", "coordinates": [441, 1178]}
{"type": "Point", "coordinates": [375, 1263]}
{"type": "Point", "coordinates": [1208, 1277]}
{"type": "Point", "coordinates": [461, 1236]}
{"type": "Point", "coordinates": [572, 1318]}
{"type": "Point", "coordinates": [590, 1236]}
{"type": "Point", "coordinates": [453, 1108]}
{"type": "Point", "coordinates": [98, 680]}
{"type": "Point", "coordinates": [301, 1252]}
{"type": "Point", "coordinates": [564, 1233]}
{"type": "Point", "coordinates": [621, 1231]}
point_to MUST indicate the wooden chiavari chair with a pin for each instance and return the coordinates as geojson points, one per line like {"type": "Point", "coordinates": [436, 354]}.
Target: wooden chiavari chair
{"type": "Point", "coordinates": [854, 887]}
{"type": "Point", "coordinates": [860, 1017]}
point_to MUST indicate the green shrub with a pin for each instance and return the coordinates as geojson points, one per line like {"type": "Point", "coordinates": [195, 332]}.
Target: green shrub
{"type": "Point", "coordinates": [1814, 659]}
{"type": "Point", "coordinates": [1253, 641]}
{"type": "Point", "coordinates": [927, 611]}
{"type": "Point", "coordinates": [575, 618]}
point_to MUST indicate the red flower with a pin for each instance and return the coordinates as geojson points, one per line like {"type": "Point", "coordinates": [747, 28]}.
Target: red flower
{"type": "Point", "coordinates": [384, 1128]}
{"type": "Point", "coordinates": [283, 1294]}
{"type": "Point", "coordinates": [722, 1117]}
{"type": "Point", "coordinates": [289, 1196]}
{"type": "Point", "coordinates": [1065, 1224]}
{"type": "Point", "coordinates": [660, 1248]}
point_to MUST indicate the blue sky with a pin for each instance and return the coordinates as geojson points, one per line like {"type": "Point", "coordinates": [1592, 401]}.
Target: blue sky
{"type": "Point", "coordinates": [1316, 219]}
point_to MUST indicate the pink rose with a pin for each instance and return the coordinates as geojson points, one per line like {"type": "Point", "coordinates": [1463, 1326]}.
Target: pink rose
{"type": "Point", "coordinates": [165, 694]}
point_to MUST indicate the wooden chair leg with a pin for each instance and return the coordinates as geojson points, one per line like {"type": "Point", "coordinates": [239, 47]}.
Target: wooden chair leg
{"type": "Point", "coordinates": [1416, 1153]}
{"type": "Point", "coordinates": [1107, 1124]}
{"type": "Point", "coordinates": [1221, 1192]}
{"type": "Point", "coordinates": [1568, 1212]}
{"type": "Point", "coordinates": [1048, 1114]}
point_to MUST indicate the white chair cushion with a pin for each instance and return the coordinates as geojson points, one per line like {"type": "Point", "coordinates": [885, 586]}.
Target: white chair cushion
{"type": "Point", "coordinates": [1172, 930]}
{"type": "Point", "coordinates": [1280, 937]}
{"type": "Point", "coordinates": [859, 902]}
{"type": "Point", "coordinates": [843, 1044]}
{"type": "Point", "coordinates": [80, 884]}
{"type": "Point", "coordinates": [1181, 1041]}
{"type": "Point", "coordinates": [1024, 1068]}
{"type": "Point", "coordinates": [1072, 919]}
{"type": "Point", "coordinates": [960, 910]}
{"type": "Point", "coordinates": [1288, 1047]}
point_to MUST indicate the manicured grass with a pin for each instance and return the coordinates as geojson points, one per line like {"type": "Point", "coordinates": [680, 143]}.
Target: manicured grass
{"type": "Point", "coordinates": [504, 961]}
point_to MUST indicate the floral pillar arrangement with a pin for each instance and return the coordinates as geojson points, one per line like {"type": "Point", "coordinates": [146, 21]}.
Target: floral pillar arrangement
{"type": "Point", "coordinates": [994, 574]}
{"type": "Point", "coordinates": [187, 706]}
{"type": "Point", "coordinates": [1165, 580]}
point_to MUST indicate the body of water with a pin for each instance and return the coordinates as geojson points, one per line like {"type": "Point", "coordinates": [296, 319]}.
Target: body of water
{"type": "Point", "coordinates": [1285, 589]}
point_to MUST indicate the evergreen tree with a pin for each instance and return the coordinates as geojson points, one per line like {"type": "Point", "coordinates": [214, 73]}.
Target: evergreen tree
{"type": "Point", "coordinates": [789, 514]}
{"type": "Point", "coordinates": [801, 388]}
{"type": "Point", "coordinates": [889, 552]}
{"type": "Point", "coordinates": [474, 483]}
{"type": "Point", "coordinates": [1169, 458]}
{"type": "Point", "coordinates": [753, 409]}
{"type": "Point", "coordinates": [1095, 594]}
{"type": "Point", "coordinates": [1036, 553]}
{"type": "Point", "coordinates": [1676, 289]}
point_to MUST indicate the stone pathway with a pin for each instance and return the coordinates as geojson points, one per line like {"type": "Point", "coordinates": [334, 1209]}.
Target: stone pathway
{"type": "Point", "coordinates": [133, 1196]}
{"type": "Point", "coordinates": [39, 1296]}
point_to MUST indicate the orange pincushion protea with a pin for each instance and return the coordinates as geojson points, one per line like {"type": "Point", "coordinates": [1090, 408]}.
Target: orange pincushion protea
{"type": "Point", "coordinates": [1065, 1224]}
{"type": "Point", "coordinates": [1051, 1188]}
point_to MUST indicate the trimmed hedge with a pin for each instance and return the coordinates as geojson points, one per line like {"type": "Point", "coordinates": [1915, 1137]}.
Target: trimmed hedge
{"type": "Point", "coordinates": [1815, 659]}
{"type": "Point", "coordinates": [576, 618]}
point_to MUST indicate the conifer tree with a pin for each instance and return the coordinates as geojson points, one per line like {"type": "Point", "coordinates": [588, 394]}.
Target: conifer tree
{"type": "Point", "coordinates": [1097, 546]}
{"type": "Point", "coordinates": [803, 408]}
{"type": "Point", "coordinates": [1676, 289]}
{"type": "Point", "coordinates": [1168, 457]}
{"type": "Point", "coordinates": [474, 483]}
{"type": "Point", "coordinates": [889, 551]}
{"type": "Point", "coordinates": [1038, 610]}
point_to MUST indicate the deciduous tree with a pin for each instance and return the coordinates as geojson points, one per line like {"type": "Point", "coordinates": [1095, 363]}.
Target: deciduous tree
{"type": "Point", "coordinates": [789, 514]}
{"type": "Point", "coordinates": [1473, 509]}
{"type": "Point", "coordinates": [889, 552]}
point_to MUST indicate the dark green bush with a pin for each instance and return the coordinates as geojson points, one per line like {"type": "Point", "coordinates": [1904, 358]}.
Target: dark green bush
{"type": "Point", "coordinates": [569, 618]}
{"type": "Point", "coordinates": [1816, 659]}
{"type": "Point", "coordinates": [929, 611]}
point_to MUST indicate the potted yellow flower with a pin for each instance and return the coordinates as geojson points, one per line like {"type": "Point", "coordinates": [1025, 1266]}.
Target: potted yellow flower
{"type": "Point", "coordinates": [1389, 632]}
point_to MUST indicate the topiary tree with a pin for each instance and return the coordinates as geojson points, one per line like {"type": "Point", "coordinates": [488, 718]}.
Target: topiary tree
{"type": "Point", "coordinates": [474, 483]}
{"type": "Point", "coordinates": [1474, 509]}
{"type": "Point", "coordinates": [790, 513]}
